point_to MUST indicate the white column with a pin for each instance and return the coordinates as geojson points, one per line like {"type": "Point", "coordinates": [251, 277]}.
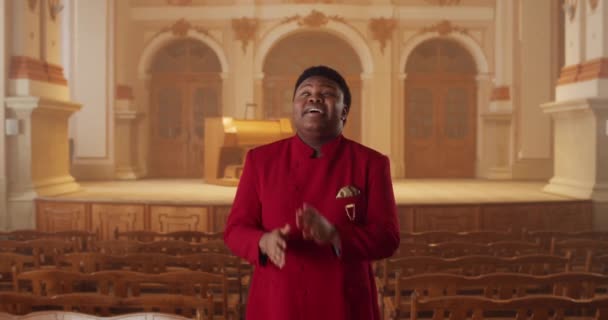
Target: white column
{"type": "Point", "coordinates": [398, 127]}
{"type": "Point", "coordinates": [258, 94]}
{"type": "Point", "coordinates": [126, 123]}
{"type": "Point", "coordinates": [243, 78]}
{"type": "Point", "coordinates": [503, 53]}
{"type": "Point", "coordinates": [495, 138]}
{"type": "Point", "coordinates": [141, 95]}
{"type": "Point", "coordinates": [37, 155]}
{"type": "Point", "coordinates": [378, 110]}
{"type": "Point", "coordinates": [580, 110]}
{"type": "Point", "coordinates": [3, 179]}
{"type": "Point", "coordinates": [367, 112]}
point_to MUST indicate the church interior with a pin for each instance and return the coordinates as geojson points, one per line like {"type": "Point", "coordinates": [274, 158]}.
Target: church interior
{"type": "Point", "coordinates": [126, 124]}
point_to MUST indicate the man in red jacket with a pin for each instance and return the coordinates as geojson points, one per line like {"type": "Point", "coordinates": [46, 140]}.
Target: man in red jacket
{"type": "Point", "coordinates": [312, 211]}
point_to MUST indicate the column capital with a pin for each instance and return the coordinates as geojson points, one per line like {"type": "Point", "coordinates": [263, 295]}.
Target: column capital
{"type": "Point", "coordinates": [592, 104]}
{"type": "Point", "coordinates": [125, 114]}
{"type": "Point", "coordinates": [28, 104]}
{"type": "Point", "coordinates": [366, 76]}
{"type": "Point", "coordinates": [481, 77]}
{"type": "Point", "coordinates": [22, 104]}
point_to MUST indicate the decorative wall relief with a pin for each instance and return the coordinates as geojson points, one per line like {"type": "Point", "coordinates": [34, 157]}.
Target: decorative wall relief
{"type": "Point", "coordinates": [244, 30]}
{"type": "Point", "coordinates": [444, 27]}
{"type": "Point", "coordinates": [314, 19]}
{"type": "Point", "coordinates": [444, 2]}
{"type": "Point", "coordinates": [314, 1]}
{"type": "Point", "coordinates": [55, 7]}
{"type": "Point", "coordinates": [382, 30]}
{"type": "Point", "coordinates": [179, 2]}
{"type": "Point", "coordinates": [502, 93]}
{"type": "Point", "coordinates": [181, 28]}
{"type": "Point", "coordinates": [124, 92]}
{"type": "Point", "coordinates": [570, 8]}
{"type": "Point", "coordinates": [32, 4]}
{"type": "Point", "coordinates": [593, 4]}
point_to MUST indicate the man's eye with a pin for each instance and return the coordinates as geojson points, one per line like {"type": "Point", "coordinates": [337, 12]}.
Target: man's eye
{"type": "Point", "coordinates": [329, 94]}
{"type": "Point", "coordinates": [305, 93]}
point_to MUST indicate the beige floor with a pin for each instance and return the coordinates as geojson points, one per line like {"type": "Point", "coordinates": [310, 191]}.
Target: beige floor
{"type": "Point", "coordinates": [406, 192]}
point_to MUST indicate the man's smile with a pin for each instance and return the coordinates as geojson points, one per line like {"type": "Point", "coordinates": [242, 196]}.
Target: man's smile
{"type": "Point", "coordinates": [312, 110]}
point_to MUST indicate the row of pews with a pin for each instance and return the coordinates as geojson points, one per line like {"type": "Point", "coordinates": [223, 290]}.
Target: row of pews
{"type": "Point", "coordinates": [190, 274]}
{"type": "Point", "coordinates": [437, 275]}
{"type": "Point", "coordinates": [537, 275]}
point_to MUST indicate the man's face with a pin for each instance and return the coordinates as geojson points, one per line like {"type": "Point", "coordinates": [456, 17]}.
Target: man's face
{"type": "Point", "coordinates": [318, 108]}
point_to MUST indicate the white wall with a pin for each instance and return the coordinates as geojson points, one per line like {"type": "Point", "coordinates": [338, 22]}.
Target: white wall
{"type": "Point", "coordinates": [90, 79]}
{"type": "Point", "coordinates": [596, 41]}
{"type": "Point", "coordinates": [535, 83]}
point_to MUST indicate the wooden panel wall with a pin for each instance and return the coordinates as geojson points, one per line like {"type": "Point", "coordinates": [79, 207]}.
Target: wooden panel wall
{"type": "Point", "coordinates": [105, 218]}
{"type": "Point", "coordinates": [61, 216]}
{"type": "Point", "coordinates": [174, 218]}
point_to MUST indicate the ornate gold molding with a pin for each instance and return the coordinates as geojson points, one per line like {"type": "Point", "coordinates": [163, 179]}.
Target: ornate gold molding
{"type": "Point", "coordinates": [570, 8]}
{"type": "Point", "coordinates": [244, 30]}
{"type": "Point", "coordinates": [593, 4]}
{"type": "Point", "coordinates": [382, 30]}
{"type": "Point", "coordinates": [179, 2]}
{"type": "Point", "coordinates": [314, 1]}
{"type": "Point", "coordinates": [314, 19]}
{"type": "Point", "coordinates": [444, 2]}
{"type": "Point", "coordinates": [55, 7]}
{"type": "Point", "coordinates": [32, 4]}
{"type": "Point", "coordinates": [124, 92]}
{"type": "Point", "coordinates": [589, 70]}
{"type": "Point", "coordinates": [502, 93]}
{"type": "Point", "coordinates": [444, 27]}
{"type": "Point", "coordinates": [181, 27]}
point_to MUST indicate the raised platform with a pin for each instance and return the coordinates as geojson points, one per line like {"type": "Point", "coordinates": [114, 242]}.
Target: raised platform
{"type": "Point", "coordinates": [165, 205]}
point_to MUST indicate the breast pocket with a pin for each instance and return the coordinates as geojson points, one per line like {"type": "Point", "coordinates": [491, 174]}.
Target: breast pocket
{"type": "Point", "coordinates": [351, 209]}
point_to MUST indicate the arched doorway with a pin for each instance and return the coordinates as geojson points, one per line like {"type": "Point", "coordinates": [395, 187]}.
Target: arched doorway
{"type": "Point", "coordinates": [440, 111]}
{"type": "Point", "coordinates": [185, 89]}
{"type": "Point", "coordinates": [291, 55]}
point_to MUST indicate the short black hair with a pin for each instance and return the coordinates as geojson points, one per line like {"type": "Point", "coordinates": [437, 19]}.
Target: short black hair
{"type": "Point", "coordinates": [329, 73]}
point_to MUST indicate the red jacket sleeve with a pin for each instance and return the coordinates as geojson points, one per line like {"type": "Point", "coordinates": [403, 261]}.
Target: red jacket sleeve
{"type": "Point", "coordinates": [378, 238]}
{"type": "Point", "coordinates": [244, 226]}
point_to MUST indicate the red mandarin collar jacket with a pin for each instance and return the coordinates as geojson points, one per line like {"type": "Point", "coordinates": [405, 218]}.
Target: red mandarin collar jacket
{"type": "Point", "coordinates": [316, 282]}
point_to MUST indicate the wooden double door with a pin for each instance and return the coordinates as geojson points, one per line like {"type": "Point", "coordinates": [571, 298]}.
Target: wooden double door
{"type": "Point", "coordinates": [440, 137]}
{"type": "Point", "coordinates": [177, 124]}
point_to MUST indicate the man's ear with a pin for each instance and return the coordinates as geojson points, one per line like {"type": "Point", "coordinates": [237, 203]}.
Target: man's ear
{"type": "Point", "coordinates": [344, 112]}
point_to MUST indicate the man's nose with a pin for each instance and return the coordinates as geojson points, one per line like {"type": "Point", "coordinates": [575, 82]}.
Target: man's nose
{"type": "Point", "coordinates": [315, 97]}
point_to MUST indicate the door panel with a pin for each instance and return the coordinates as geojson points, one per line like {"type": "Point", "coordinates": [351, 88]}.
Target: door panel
{"type": "Point", "coordinates": [456, 140]}
{"type": "Point", "coordinates": [421, 153]}
{"type": "Point", "coordinates": [440, 130]}
{"type": "Point", "coordinates": [177, 126]}
{"type": "Point", "coordinates": [447, 70]}
{"type": "Point", "coordinates": [167, 145]}
{"type": "Point", "coordinates": [204, 104]}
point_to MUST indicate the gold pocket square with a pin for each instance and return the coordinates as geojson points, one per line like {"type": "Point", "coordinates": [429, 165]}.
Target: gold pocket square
{"type": "Point", "coordinates": [348, 191]}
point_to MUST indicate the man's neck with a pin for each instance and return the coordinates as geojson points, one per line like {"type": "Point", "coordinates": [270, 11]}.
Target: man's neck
{"type": "Point", "coordinates": [316, 143]}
